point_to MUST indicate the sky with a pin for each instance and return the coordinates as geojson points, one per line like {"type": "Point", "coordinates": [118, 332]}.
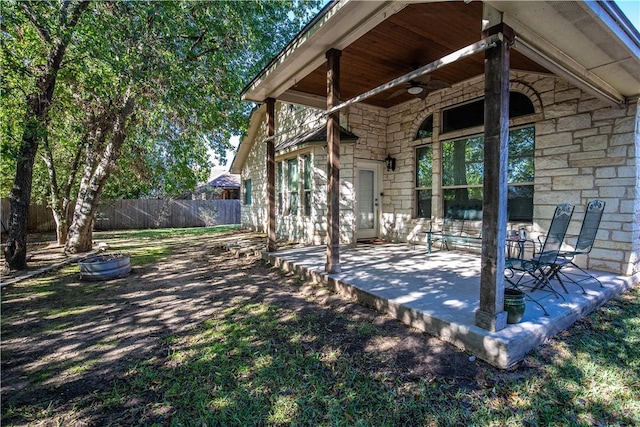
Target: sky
{"type": "Point", "coordinates": [631, 9]}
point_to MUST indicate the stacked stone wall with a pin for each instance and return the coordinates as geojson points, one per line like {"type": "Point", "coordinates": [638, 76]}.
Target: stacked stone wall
{"type": "Point", "coordinates": [585, 149]}
{"type": "Point", "coordinates": [254, 216]}
{"type": "Point", "coordinates": [290, 122]}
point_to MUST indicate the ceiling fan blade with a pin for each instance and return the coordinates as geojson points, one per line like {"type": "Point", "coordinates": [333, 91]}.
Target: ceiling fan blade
{"type": "Point", "coordinates": [435, 85]}
{"type": "Point", "coordinates": [423, 80]}
{"type": "Point", "coordinates": [423, 94]}
{"type": "Point", "coordinates": [397, 93]}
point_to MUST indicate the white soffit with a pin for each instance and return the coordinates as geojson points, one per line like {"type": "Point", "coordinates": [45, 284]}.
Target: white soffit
{"type": "Point", "coordinates": [573, 29]}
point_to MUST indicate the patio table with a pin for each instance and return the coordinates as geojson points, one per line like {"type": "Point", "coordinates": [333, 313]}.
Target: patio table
{"type": "Point", "coordinates": [515, 246]}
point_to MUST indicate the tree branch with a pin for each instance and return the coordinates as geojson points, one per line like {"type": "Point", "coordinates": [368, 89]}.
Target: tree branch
{"type": "Point", "coordinates": [47, 156]}
{"type": "Point", "coordinates": [44, 32]}
{"type": "Point", "coordinates": [76, 13]}
{"type": "Point", "coordinates": [74, 171]}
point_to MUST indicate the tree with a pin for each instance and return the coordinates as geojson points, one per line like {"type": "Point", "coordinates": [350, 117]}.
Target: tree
{"type": "Point", "coordinates": [61, 155]}
{"type": "Point", "coordinates": [55, 27]}
{"type": "Point", "coordinates": [160, 88]}
{"type": "Point", "coordinates": [175, 70]}
{"type": "Point", "coordinates": [100, 160]}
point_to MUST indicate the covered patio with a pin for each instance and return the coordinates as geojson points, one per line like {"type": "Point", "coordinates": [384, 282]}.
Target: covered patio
{"type": "Point", "coordinates": [438, 293]}
{"type": "Point", "coordinates": [432, 91]}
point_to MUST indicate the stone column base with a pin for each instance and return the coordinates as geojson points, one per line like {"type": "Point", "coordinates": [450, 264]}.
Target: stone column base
{"type": "Point", "coordinates": [491, 322]}
{"type": "Point", "coordinates": [335, 268]}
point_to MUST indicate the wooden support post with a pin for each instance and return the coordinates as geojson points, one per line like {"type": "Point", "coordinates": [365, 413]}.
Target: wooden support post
{"type": "Point", "coordinates": [491, 314]}
{"type": "Point", "coordinates": [271, 176]}
{"type": "Point", "coordinates": [333, 163]}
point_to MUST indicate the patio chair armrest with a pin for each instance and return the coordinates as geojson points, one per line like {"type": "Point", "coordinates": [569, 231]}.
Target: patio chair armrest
{"type": "Point", "coordinates": [541, 240]}
{"type": "Point", "coordinates": [434, 230]}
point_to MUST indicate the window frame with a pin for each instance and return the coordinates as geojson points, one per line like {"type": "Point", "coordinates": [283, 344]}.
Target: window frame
{"type": "Point", "coordinates": [248, 192]}
{"type": "Point", "coordinates": [307, 184]}
{"type": "Point", "coordinates": [293, 186]}
{"type": "Point", "coordinates": [418, 189]}
{"type": "Point", "coordinates": [474, 108]}
{"type": "Point", "coordinates": [280, 186]}
{"type": "Point", "coordinates": [480, 186]}
{"type": "Point", "coordinates": [294, 190]}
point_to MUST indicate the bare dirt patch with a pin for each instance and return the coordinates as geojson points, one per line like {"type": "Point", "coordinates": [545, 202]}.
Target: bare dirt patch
{"type": "Point", "coordinates": [65, 342]}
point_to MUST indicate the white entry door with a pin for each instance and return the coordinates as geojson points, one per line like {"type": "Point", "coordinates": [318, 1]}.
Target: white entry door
{"type": "Point", "coordinates": [368, 201]}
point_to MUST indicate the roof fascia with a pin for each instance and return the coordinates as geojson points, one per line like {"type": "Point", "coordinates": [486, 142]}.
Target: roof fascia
{"type": "Point", "coordinates": [609, 14]}
{"type": "Point", "coordinates": [244, 148]}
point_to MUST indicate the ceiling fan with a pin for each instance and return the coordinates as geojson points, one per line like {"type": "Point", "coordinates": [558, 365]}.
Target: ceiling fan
{"type": "Point", "coordinates": [420, 87]}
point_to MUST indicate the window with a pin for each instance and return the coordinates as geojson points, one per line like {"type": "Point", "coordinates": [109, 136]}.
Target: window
{"type": "Point", "coordinates": [463, 173]}
{"type": "Point", "coordinates": [472, 114]}
{"type": "Point", "coordinates": [521, 174]}
{"type": "Point", "coordinates": [247, 192]}
{"type": "Point", "coordinates": [306, 186]}
{"type": "Point", "coordinates": [426, 128]}
{"type": "Point", "coordinates": [424, 176]}
{"type": "Point", "coordinates": [279, 188]}
{"type": "Point", "coordinates": [293, 187]}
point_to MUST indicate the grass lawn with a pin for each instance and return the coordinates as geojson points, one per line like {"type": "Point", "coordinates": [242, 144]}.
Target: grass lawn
{"type": "Point", "coordinates": [196, 337]}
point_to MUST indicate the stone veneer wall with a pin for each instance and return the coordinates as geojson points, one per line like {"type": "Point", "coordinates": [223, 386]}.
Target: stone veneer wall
{"type": "Point", "coordinates": [290, 122]}
{"type": "Point", "coordinates": [585, 149]}
{"type": "Point", "coordinates": [254, 216]}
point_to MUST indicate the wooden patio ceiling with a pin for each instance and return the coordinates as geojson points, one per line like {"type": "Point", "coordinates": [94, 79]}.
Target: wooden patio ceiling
{"type": "Point", "coordinates": [417, 35]}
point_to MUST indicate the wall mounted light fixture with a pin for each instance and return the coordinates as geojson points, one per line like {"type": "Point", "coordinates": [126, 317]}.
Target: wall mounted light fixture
{"type": "Point", "coordinates": [390, 162]}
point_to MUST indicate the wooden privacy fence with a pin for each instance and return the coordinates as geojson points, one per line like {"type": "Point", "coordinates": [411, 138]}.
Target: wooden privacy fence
{"type": "Point", "coordinates": [40, 217]}
{"type": "Point", "coordinates": [140, 214]}
{"type": "Point", "coordinates": [123, 214]}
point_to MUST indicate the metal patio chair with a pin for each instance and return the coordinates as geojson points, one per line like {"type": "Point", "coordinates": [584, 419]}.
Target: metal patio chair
{"type": "Point", "coordinates": [539, 268]}
{"type": "Point", "coordinates": [584, 244]}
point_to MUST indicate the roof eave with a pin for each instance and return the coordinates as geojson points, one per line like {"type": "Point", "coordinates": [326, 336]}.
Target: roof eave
{"type": "Point", "coordinates": [610, 15]}
{"type": "Point", "coordinates": [244, 148]}
{"type": "Point", "coordinates": [335, 27]}
{"type": "Point", "coordinates": [568, 61]}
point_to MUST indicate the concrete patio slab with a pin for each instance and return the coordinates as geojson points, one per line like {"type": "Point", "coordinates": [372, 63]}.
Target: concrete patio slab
{"type": "Point", "coordinates": [439, 292]}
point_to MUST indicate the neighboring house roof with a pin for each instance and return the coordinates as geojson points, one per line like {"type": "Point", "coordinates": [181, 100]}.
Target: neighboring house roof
{"type": "Point", "coordinates": [316, 135]}
{"type": "Point", "coordinates": [589, 43]}
{"type": "Point", "coordinates": [226, 180]}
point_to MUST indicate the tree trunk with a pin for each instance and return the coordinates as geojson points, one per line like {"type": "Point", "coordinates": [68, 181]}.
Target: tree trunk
{"type": "Point", "coordinates": [15, 251]}
{"type": "Point", "coordinates": [59, 197]}
{"type": "Point", "coordinates": [80, 237]}
{"type": "Point", "coordinates": [38, 104]}
{"type": "Point", "coordinates": [62, 217]}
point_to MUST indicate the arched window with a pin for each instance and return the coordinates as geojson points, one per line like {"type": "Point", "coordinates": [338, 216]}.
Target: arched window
{"type": "Point", "coordinates": [426, 128]}
{"type": "Point", "coordinates": [520, 105]}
